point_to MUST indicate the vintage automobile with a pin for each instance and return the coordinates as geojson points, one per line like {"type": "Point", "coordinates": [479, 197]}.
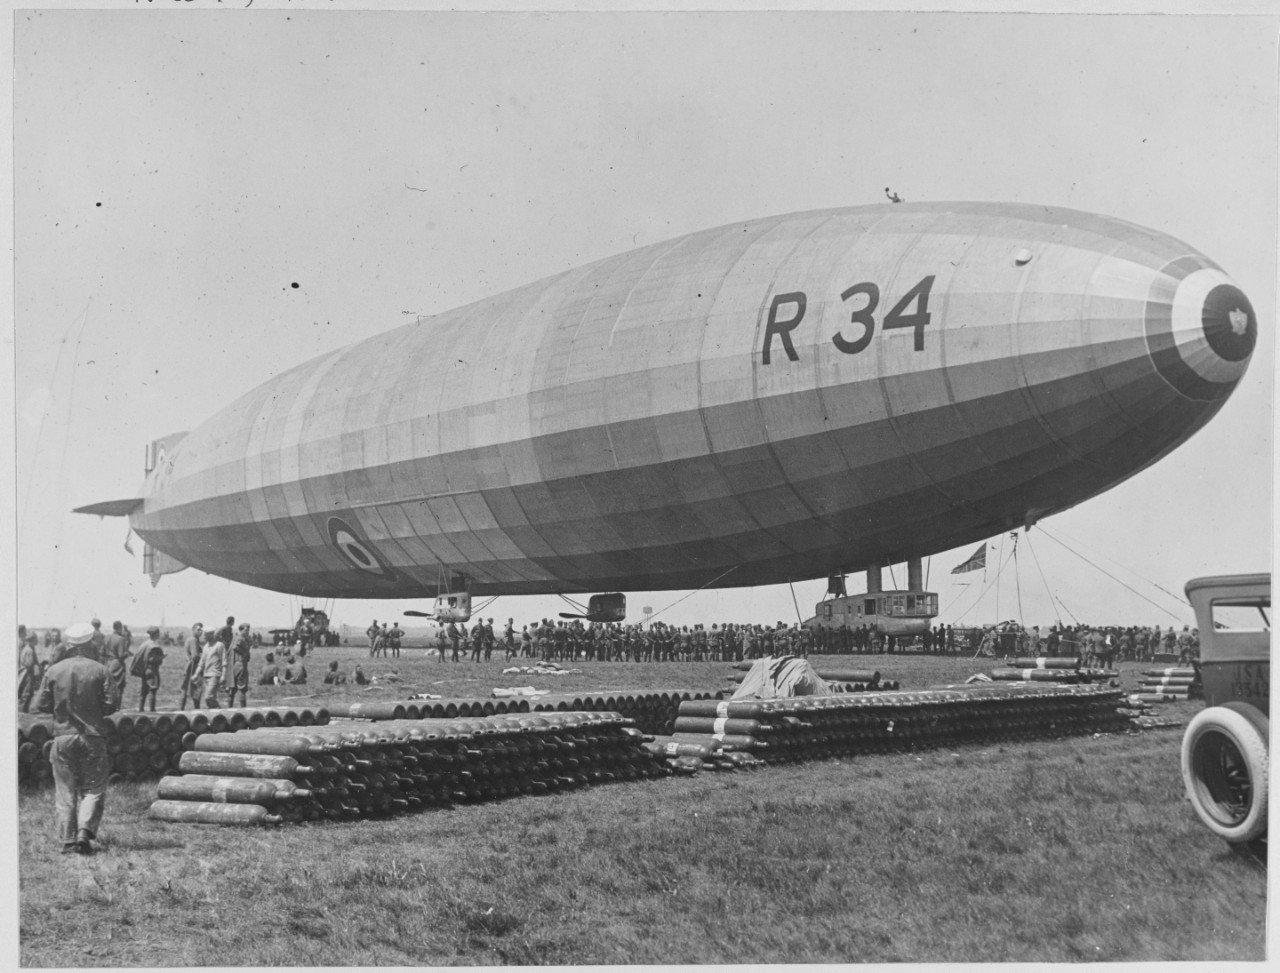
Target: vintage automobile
{"type": "Point", "coordinates": [1225, 748]}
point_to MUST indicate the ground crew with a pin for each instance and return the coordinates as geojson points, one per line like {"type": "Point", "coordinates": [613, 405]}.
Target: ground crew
{"type": "Point", "coordinates": [59, 650]}
{"type": "Point", "coordinates": [79, 693]}
{"type": "Point", "coordinates": [270, 675]}
{"type": "Point", "coordinates": [146, 666]}
{"type": "Point", "coordinates": [115, 654]}
{"type": "Point", "coordinates": [238, 681]}
{"type": "Point", "coordinates": [207, 679]}
{"type": "Point", "coordinates": [28, 669]}
{"type": "Point", "coordinates": [192, 648]}
{"type": "Point", "coordinates": [99, 640]}
{"type": "Point", "coordinates": [295, 673]}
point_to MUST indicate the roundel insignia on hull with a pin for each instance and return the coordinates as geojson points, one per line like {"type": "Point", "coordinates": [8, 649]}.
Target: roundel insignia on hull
{"type": "Point", "coordinates": [359, 553]}
{"type": "Point", "coordinates": [1200, 328]}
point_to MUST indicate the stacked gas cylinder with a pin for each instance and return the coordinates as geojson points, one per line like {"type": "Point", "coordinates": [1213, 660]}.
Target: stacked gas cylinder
{"type": "Point", "coordinates": [837, 680]}
{"type": "Point", "coordinates": [1169, 685]}
{"type": "Point", "coordinates": [651, 710]}
{"type": "Point", "coordinates": [813, 727]}
{"type": "Point", "coordinates": [351, 769]}
{"type": "Point", "coordinates": [144, 746]}
{"type": "Point", "coordinates": [689, 755]}
{"type": "Point", "coordinates": [1048, 669]}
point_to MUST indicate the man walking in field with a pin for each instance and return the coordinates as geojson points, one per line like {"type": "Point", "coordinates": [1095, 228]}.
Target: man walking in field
{"type": "Point", "coordinates": [210, 670]}
{"type": "Point", "coordinates": [193, 648]}
{"type": "Point", "coordinates": [146, 666]}
{"type": "Point", "coordinates": [238, 681]}
{"type": "Point", "coordinates": [80, 694]}
{"type": "Point", "coordinates": [116, 656]}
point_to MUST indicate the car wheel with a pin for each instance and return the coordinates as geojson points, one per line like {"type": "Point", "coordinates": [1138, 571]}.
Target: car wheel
{"type": "Point", "coordinates": [1225, 770]}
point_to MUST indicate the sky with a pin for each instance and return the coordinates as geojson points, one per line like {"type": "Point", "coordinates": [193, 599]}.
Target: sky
{"type": "Point", "coordinates": [203, 199]}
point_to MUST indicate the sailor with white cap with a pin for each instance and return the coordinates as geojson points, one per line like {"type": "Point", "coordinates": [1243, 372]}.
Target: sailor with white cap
{"type": "Point", "coordinates": [80, 694]}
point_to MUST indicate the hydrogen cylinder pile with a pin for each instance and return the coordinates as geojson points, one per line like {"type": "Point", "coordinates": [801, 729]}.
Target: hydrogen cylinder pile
{"type": "Point", "coordinates": [351, 769]}
{"type": "Point", "coordinates": [144, 746]}
{"type": "Point", "coordinates": [652, 710]}
{"type": "Point", "coordinates": [814, 727]}
{"type": "Point", "coordinates": [1169, 685]}
{"type": "Point", "coordinates": [1052, 670]}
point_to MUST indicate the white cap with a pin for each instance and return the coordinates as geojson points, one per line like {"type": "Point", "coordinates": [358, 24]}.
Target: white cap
{"type": "Point", "coordinates": [79, 633]}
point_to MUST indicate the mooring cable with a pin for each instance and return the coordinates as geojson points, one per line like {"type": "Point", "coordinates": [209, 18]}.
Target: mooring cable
{"type": "Point", "coordinates": [1113, 577]}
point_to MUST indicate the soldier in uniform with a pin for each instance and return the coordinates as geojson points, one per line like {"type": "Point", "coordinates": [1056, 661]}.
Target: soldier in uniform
{"type": "Point", "coordinates": [59, 651]}
{"type": "Point", "coordinates": [116, 656]}
{"type": "Point", "coordinates": [489, 640]}
{"type": "Point", "coordinates": [79, 693]}
{"type": "Point", "coordinates": [210, 670]}
{"type": "Point", "coordinates": [295, 673]}
{"type": "Point", "coordinates": [238, 681]}
{"type": "Point", "coordinates": [192, 648]}
{"type": "Point", "coordinates": [28, 669]}
{"type": "Point", "coordinates": [333, 677]}
{"type": "Point", "coordinates": [146, 666]}
{"type": "Point", "coordinates": [372, 631]}
{"type": "Point", "coordinates": [99, 640]}
{"type": "Point", "coordinates": [270, 675]}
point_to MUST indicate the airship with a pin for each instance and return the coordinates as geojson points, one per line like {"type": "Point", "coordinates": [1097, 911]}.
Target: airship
{"type": "Point", "coordinates": [775, 400]}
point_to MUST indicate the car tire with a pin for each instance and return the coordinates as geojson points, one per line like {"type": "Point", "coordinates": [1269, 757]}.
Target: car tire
{"type": "Point", "coordinates": [1225, 770]}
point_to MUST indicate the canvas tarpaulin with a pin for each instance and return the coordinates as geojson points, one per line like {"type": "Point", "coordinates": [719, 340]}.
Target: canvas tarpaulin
{"type": "Point", "coordinates": [780, 678]}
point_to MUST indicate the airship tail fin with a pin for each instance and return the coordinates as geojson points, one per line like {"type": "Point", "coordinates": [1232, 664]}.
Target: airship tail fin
{"type": "Point", "coordinates": [111, 508]}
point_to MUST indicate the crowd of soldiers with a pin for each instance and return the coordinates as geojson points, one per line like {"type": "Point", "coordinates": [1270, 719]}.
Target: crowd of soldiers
{"type": "Point", "coordinates": [730, 642]}
{"type": "Point", "coordinates": [656, 642]}
{"type": "Point", "coordinates": [214, 662]}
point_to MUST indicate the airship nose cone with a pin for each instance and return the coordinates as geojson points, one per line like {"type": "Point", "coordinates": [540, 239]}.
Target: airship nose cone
{"type": "Point", "coordinates": [1228, 322]}
{"type": "Point", "coordinates": [1201, 330]}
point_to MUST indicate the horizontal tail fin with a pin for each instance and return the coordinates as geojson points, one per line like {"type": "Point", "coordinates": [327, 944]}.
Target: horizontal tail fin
{"type": "Point", "coordinates": [111, 508]}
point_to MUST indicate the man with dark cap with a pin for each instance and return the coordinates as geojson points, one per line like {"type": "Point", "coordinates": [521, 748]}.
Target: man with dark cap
{"type": "Point", "coordinates": [80, 695]}
{"type": "Point", "coordinates": [146, 666]}
{"type": "Point", "coordinates": [115, 655]}
{"type": "Point", "coordinates": [99, 640]}
{"type": "Point", "coordinates": [227, 634]}
{"type": "Point", "coordinates": [270, 675]}
{"type": "Point", "coordinates": [59, 650]}
{"type": "Point", "coordinates": [238, 679]}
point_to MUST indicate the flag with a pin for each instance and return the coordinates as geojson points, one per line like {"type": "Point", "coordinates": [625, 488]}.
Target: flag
{"type": "Point", "coordinates": [978, 559]}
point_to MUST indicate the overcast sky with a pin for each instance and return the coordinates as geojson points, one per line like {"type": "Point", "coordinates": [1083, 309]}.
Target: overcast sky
{"type": "Point", "coordinates": [177, 174]}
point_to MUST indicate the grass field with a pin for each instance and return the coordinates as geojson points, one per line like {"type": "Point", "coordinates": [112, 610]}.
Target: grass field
{"type": "Point", "coordinates": [1068, 850]}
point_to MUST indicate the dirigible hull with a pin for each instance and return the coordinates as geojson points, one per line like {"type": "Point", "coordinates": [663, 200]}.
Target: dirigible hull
{"type": "Point", "coordinates": [773, 400]}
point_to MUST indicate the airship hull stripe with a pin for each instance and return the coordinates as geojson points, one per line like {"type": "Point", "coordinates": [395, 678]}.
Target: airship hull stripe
{"type": "Point", "coordinates": [1059, 392]}
{"type": "Point", "coordinates": [572, 535]}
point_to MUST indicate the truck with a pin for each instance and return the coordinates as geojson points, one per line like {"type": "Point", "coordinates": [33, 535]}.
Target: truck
{"type": "Point", "coordinates": [1226, 746]}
